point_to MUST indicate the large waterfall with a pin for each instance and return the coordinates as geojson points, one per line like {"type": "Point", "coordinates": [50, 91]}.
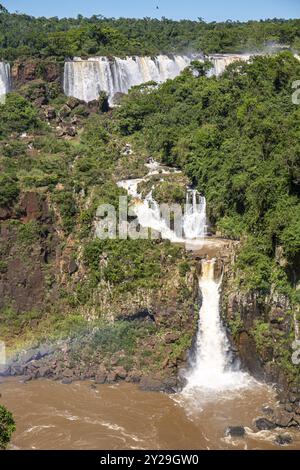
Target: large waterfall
{"type": "Point", "coordinates": [4, 80]}
{"type": "Point", "coordinates": [212, 369]}
{"type": "Point", "coordinates": [85, 79]}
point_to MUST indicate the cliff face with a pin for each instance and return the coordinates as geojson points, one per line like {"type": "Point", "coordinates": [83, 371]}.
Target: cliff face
{"type": "Point", "coordinates": [26, 71]}
{"type": "Point", "coordinates": [262, 330]}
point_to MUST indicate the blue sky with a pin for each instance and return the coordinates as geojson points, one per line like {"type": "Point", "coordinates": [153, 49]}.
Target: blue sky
{"type": "Point", "coordinates": [210, 10]}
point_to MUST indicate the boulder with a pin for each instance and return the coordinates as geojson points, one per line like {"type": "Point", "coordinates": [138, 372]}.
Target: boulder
{"type": "Point", "coordinates": [112, 377]}
{"type": "Point", "coordinates": [283, 439]}
{"type": "Point", "coordinates": [66, 381]}
{"type": "Point", "coordinates": [267, 410]}
{"type": "Point", "coordinates": [149, 384]}
{"type": "Point", "coordinates": [235, 432]}
{"type": "Point", "coordinates": [263, 424]}
{"type": "Point", "coordinates": [73, 267]}
{"type": "Point", "coordinates": [73, 102]}
{"type": "Point", "coordinates": [134, 376]}
{"type": "Point", "coordinates": [49, 112]}
{"type": "Point", "coordinates": [70, 131]}
{"type": "Point", "coordinates": [282, 418]}
{"type": "Point", "coordinates": [64, 111]}
{"type": "Point", "coordinates": [101, 375]}
{"type": "Point", "coordinates": [121, 373]}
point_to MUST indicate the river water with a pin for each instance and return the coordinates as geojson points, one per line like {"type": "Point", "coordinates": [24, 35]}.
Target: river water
{"type": "Point", "coordinates": [50, 415]}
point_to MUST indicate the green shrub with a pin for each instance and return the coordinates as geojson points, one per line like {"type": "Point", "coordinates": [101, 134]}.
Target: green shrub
{"type": "Point", "coordinates": [7, 427]}
{"type": "Point", "coordinates": [17, 115]}
{"type": "Point", "coordinates": [9, 190]}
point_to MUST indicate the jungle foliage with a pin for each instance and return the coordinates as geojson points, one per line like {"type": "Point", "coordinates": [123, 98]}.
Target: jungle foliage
{"type": "Point", "coordinates": [22, 35]}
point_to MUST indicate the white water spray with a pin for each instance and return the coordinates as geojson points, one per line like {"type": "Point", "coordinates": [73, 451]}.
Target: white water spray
{"type": "Point", "coordinates": [212, 369]}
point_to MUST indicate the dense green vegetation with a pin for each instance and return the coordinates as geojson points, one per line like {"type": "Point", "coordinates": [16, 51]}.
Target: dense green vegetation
{"type": "Point", "coordinates": [25, 36]}
{"type": "Point", "coordinates": [7, 427]}
{"type": "Point", "coordinates": [237, 138]}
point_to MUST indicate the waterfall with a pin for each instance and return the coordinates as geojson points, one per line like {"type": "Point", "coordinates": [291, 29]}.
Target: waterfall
{"type": "Point", "coordinates": [222, 61]}
{"type": "Point", "coordinates": [194, 222]}
{"type": "Point", "coordinates": [4, 80]}
{"type": "Point", "coordinates": [192, 227]}
{"type": "Point", "coordinates": [85, 79]}
{"type": "Point", "coordinates": [212, 369]}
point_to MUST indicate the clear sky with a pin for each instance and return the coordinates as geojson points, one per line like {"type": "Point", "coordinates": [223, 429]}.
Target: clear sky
{"type": "Point", "coordinates": [210, 10]}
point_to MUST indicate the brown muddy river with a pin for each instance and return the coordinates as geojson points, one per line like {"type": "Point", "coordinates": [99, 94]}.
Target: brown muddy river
{"type": "Point", "coordinates": [50, 415]}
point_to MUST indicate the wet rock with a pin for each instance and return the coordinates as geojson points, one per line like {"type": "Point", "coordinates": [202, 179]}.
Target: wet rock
{"type": "Point", "coordinates": [288, 407]}
{"type": "Point", "coordinates": [292, 398]}
{"type": "Point", "coordinates": [66, 381]}
{"type": "Point", "coordinates": [267, 410]}
{"type": "Point", "coordinates": [101, 377]}
{"type": "Point", "coordinates": [283, 439]}
{"type": "Point", "coordinates": [235, 431]}
{"type": "Point", "coordinates": [282, 418]}
{"type": "Point", "coordinates": [149, 384]}
{"type": "Point", "coordinates": [26, 378]}
{"type": "Point", "coordinates": [263, 424]}
{"type": "Point", "coordinates": [134, 376]}
{"type": "Point", "coordinates": [44, 372]}
{"type": "Point", "coordinates": [68, 373]}
{"type": "Point", "coordinates": [170, 385]}
{"type": "Point", "coordinates": [121, 373]}
{"type": "Point", "coordinates": [296, 420]}
{"type": "Point", "coordinates": [248, 355]}
{"type": "Point", "coordinates": [4, 370]}
{"type": "Point", "coordinates": [16, 370]}
{"type": "Point", "coordinates": [112, 377]}
{"type": "Point", "coordinates": [297, 410]}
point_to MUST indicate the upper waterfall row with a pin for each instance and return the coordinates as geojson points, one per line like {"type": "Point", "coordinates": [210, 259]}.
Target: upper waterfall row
{"type": "Point", "coordinates": [85, 79]}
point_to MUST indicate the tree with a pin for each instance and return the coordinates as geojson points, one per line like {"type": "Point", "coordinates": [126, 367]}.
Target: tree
{"type": "Point", "coordinates": [201, 68]}
{"type": "Point", "coordinates": [3, 9]}
{"type": "Point", "coordinates": [7, 427]}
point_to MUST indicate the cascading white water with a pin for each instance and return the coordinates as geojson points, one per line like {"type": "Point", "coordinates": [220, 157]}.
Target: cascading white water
{"type": "Point", "coordinates": [212, 370]}
{"type": "Point", "coordinates": [85, 79]}
{"type": "Point", "coordinates": [4, 80]}
{"type": "Point", "coordinates": [222, 61]}
{"type": "Point", "coordinates": [194, 221]}
{"type": "Point", "coordinates": [149, 215]}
